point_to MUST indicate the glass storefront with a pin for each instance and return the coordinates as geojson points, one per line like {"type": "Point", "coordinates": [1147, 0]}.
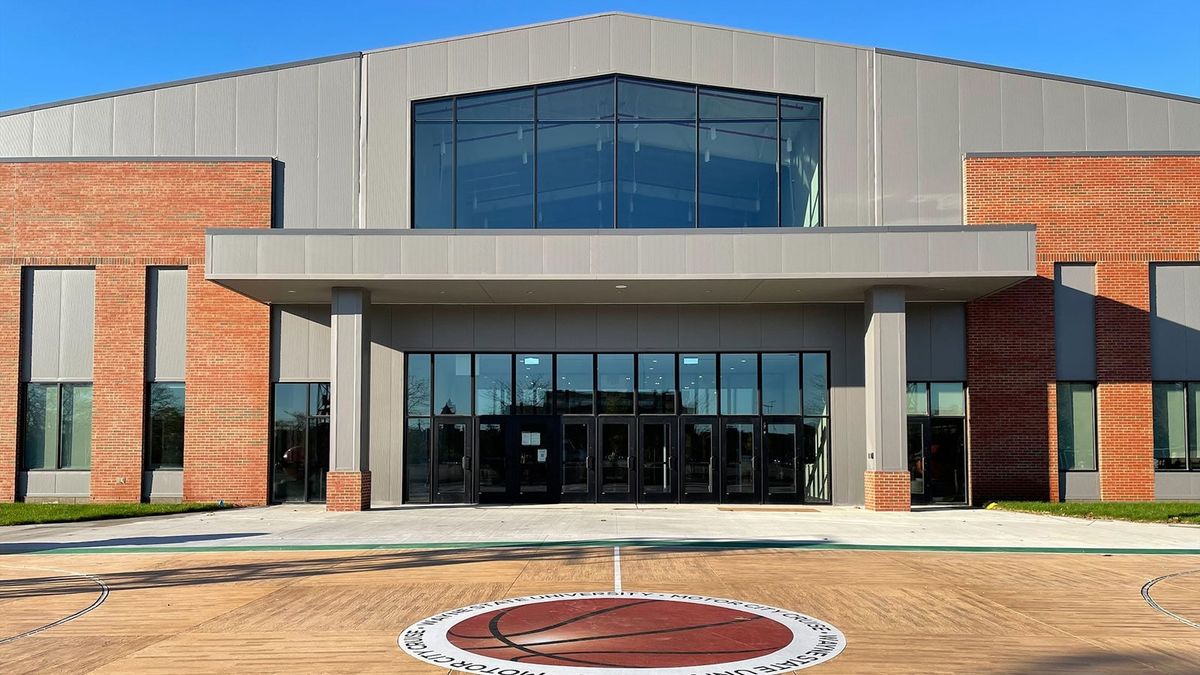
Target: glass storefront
{"type": "Point", "coordinates": [651, 427]}
{"type": "Point", "coordinates": [300, 442]}
{"type": "Point", "coordinates": [937, 441]}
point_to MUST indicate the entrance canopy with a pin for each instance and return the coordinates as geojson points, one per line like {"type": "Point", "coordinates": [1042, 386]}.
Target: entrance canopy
{"type": "Point", "coordinates": [833, 264]}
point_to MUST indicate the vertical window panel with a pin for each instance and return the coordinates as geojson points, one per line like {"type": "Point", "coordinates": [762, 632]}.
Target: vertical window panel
{"type": "Point", "coordinates": [1170, 425]}
{"type": "Point", "coordinates": [452, 384]}
{"type": "Point", "coordinates": [656, 174]}
{"type": "Point", "coordinates": [40, 439]}
{"type": "Point", "coordinates": [1076, 426]}
{"type": "Point", "coordinates": [535, 381]}
{"type": "Point", "coordinates": [494, 174]}
{"type": "Point", "coordinates": [656, 384]}
{"type": "Point", "coordinates": [433, 175]}
{"type": "Point", "coordinates": [75, 444]}
{"type": "Point", "coordinates": [781, 384]}
{"type": "Point", "coordinates": [493, 384]}
{"type": "Point", "coordinates": [575, 384]}
{"type": "Point", "coordinates": [614, 383]}
{"type": "Point", "coordinates": [948, 399]}
{"type": "Point", "coordinates": [165, 420]}
{"type": "Point", "coordinates": [800, 163]}
{"type": "Point", "coordinates": [816, 383]}
{"type": "Point", "coordinates": [416, 460]}
{"type": "Point", "coordinates": [739, 384]}
{"type": "Point", "coordinates": [698, 384]}
{"type": "Point", "coordinates": [738, 178]}
{"type": "Point", "coordinates": [918, 398]}
{"type": "Point", "coordinates": [420, 385]}
{"type": "Point", "coordinates": [575, 174]}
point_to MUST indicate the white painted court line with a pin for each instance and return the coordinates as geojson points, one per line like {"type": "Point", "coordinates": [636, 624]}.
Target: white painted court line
{"type": "Point", "coordinates": [616, 569]}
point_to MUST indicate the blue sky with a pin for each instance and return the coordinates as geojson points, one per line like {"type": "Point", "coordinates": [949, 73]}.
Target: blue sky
{"type": "Point", "coordinates": [54, 49]}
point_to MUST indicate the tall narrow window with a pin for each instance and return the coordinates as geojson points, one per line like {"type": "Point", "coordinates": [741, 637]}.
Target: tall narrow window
{"type": "Point", "coordinates": [1076, 426]}
{"type": "Point", "coordinates": [1171, 425]}
{"type": "Point", "coordinates": [164, 425]}
{"type": "Point", "coordinates": [57, 426]}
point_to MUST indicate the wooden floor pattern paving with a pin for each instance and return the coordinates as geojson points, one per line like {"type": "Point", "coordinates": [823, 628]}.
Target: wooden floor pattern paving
{"type": "Point", "coordinates": [341, 611]}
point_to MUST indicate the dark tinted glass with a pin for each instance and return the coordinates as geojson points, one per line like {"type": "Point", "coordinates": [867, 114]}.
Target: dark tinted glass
{"type": "Point", "coordinates": [419, 384]}
{"type": "Point", "coordinates": [799, 109]}
{"type": "Point", "coordinates": [39, 442]}
{"type": "Point", "coordinates": [75, 439]}
{"type": "Point", "coordinates": [452, 384]}
{"type": "Point", "coordinates": [738, 180]}
{"type": "Point", "coordinates": [289, 442]}
{"type": "Point", "coordinates": [165, 425]}
{"type": "Point", "coordinates": [575, 174]}
{"type": "Point", "coordinates": [698, 384]}
{"type": "Point", "coordinates": [495, 174]}
{"type": "Point", "coordinates": [433, 174]}
{"type": "Point", "coordinates": [434, 111]}
{"type": "Point", "coordinates": [656, 171]}
{"type": "Point", "coordinates": [416, 460]}
{"type": "Point", "coordinates": [575, 384]}
{"type": "Point", "coordinates": [816, 384]}
{"type": "Point", "coordinates": [656, 383]}
{"type": "Point", "coordinates": [535, 381]}
{"type": "Point", "coordinates": [576, 101]}
{"type": "Point", "coordinates": [816, 460]}
{"type": "Point", "coordinates": [781, 384]}
{"type": "Point", "coordinates": [716, 104]}
{"type": "Point", "coordinates": [781, 450]}
{"type": "Point", "coordinates": [493, 384]}
{"type": "Point", "coordinates": [614, 373]}
{"type": "Point", "coordinates": [638, 100]}
{"type": "Point", "coordinates": [1170, 422]}
{"type": "Point", "coordinates": [739, 384]}
{"type": "Point", "coordinates": [515, 105]}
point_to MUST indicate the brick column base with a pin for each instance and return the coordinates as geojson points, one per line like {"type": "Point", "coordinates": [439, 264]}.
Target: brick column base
{"type": "Point", "coordinates": [348, 491]}
{"type": "Point", "coordinates": [887, 491]}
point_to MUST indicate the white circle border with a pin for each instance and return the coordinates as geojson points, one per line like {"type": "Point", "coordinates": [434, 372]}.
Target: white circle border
{"type": "Point", "coordinates": [813, 641]}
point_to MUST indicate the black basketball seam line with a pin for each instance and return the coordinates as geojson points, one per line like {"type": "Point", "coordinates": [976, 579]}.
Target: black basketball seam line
{"type": "Point", "coordinates": [494, 626]}
{"type": "Point", "coordinates": [627, 651]}
{"type": "Point", "coordinates": [617, 635]}
{"type": "Point", "coordinates": [554, 625]}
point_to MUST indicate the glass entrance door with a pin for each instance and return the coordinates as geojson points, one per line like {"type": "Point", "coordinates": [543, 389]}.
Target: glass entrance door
{"type": "Point", "coordinates": [452, 461]}
{"type": "Point", "coordinates": [577, 459]}
{"type": "Point", "coordinates": [615, 447]}
{"type": "Point", "coordinates": [739, 449]}
{"type": "Point", "coordinates": [534, 443]}
{"type": "Point", "coordinates": [657, 463]}
{"type": "Point", "coordinates": [492, 444]}
{"type": "Point", "coordinates": [918, 433]}
{"type": "Point", "coordinates": [698, 441]}
{"type": "Point", "coordinates": [782, 455]}
{"type": "Point", "coordinates": [300, 442]}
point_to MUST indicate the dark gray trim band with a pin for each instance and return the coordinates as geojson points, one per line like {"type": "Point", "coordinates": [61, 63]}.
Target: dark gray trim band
{"type": "Point", "coordinates": [1034, 73]}
{"type": "Point", "coordinates": [136, 158]}
{"type": "Point", "coordinates": [1090, 153]}
{"type": "Point", "coordinates": [617, 232]}
{"type": "Point", "coordinates": [180, 83]}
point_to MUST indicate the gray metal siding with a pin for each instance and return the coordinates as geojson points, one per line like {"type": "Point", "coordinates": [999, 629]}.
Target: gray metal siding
{"type": "Point", "coordinates": [1075, 321]}
{"type": "Point", "coordinates": [931, 112]}
{"type": "Point", "coordinates": [1083, 486]}
{"type": "Point", "coordinates": [937, 342]}
{"type": "Point", "coordinates": [1177, 485]}
{"type": "Point", "coordinates": [307, 116]}
{"type": "Point", "coordinates": [1175, 321]}
{"type": "Point", "coordinates": [58, 321]}
{"type": "Point", "coordinates": [629, 45]}
{"type": "Point", "coordinates": [166, 324]}
{"type": "Point", "coordinates": [300, 343]}
{"type": "Point", "coordinates": [399, 329]}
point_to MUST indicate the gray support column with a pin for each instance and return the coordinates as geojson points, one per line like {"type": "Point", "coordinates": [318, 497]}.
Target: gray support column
{"type": "Point", "coordinates": [350, 380]}
{"type": "Point", "coordinates": [886, 380]}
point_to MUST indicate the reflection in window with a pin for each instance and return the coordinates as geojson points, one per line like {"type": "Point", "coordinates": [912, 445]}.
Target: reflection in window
{"type": "Point", "coordinates": [698, 384]}
{"type": "Point", "coordinates": [684, 156]}
{"type": "Point", "coordinates": [416, 460]}
{"type": "Point", "coordinates": [816, 383]}
{"type": "Point", "coordinates": [420, 384]}
{"type": "Point", "coordinates": [164, 425]}
{"type": "Point", "coordinates": [781, 384]}
{"type": "Point", "coordinates": [57, 426]}
{"type": "Point", "coordinates": [656, 384]}
{"type": "Point", "coordinates": [575, 384]}
{"type": "Point", "coordinates": [1176, 407]}
{"type": "Point", "coordinates": [918, 398]}
{"type": "Point", "coordinates": [1076, 426]}
{"type": "Point", "coordinates": [948, 399]}
{"type": "Point", "coordinates": [614, 375]}
{"type": "Point", "coordinates": [493, 384]}
{"type": "Point", "coordinates": [739, 384]}
{"type": "Point", "coordinates": [452, 384]}
{"type": "Point", "coordinates": [535, 381]}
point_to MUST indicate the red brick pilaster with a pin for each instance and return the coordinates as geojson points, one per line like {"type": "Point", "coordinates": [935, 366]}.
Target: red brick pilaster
{"type": "Point", "coordinates": [226, 444]}
{"type": "Point", "coordinates": [10, 346]}
{"type": "Point", "coordinates": [118, 383]}
{"type": "Point", "coordinates": [348, 491]}
{"type": "Point", "coordinates": [1124, 393]}
{"type": "Point", "coordinates": [887, 490]}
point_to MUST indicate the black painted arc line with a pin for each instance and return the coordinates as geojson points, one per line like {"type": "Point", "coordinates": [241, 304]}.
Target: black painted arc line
{"type": "Point", "coordinates": [1150, 600]}
{"type": "Point", "coordinates": [617, 635]}
{"type": "Point", "coordinates": [560, 624]}
{"type": "Point", "coordinates": [104, 591]}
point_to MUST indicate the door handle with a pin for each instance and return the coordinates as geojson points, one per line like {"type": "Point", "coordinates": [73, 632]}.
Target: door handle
{"type": "Point", "coordinates": [588, 463]}
{"type": "Point", "coordinates": [466, 463]}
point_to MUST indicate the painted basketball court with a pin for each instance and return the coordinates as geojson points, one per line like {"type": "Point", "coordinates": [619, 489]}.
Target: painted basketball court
{"type": "Point", "coordinates": [103, 600]}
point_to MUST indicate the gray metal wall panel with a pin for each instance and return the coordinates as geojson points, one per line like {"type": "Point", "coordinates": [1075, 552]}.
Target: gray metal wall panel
{"type": "Point", "coordinates": [1185, 125]}
{"type": "Point", "coordinates": [1149, 122]}
{"type": "Point", "coordinates": [712, 56]}
{"type": "Point", "coordinates": [549, 52]}
{"type": "Point", "coordinates": [133, 124]}
{"type": "Point", "coordinates": [936, 342]}
{"type": "Point", "coordinates": [175, 121]}
{"type": "Point", "coordinates": [1083, 486]}
{"type": "Point", "coordinates": [58, 324]}
{"type": "Point", "coordinates": [508, 58]}
{"type": "Point", "coordinates": [216, 117]}
{"type": "Point", "coordinates": [1075, 321]}
{"type": "Point", "coordinates": [1177, 485]}
{"type": "Point", "coordinates": [846, 93]}
{"type": "Point", "coordinates": [978, 114]}
{"type": "Point", "coordinates": [52, 131]}
{"type": "Point", "coordinates": [465, 59]}
{"type": "Point", "coordinates": [296, 90]}
{"type": "Point", "coordinates": [671, 50]}
{"type": "Point", "coordinates": [427, 70]}
{"type": "Point", "coordinates": [1106, 119]}
{"type": "Point", "coordinates": [387, 424]}
{"type": "Point", "coordinates": [70, 485]}
{"type": "Point", "coordinates": [631, 45]}
{"type": "Point", "coordinates": [1021, 109]}
{"type": "Point", "coordinates": [898, 131]}
{"type": "Point", "coordinates": [795, 65]}
{"type": "Point", "coordinates": [939, 171]}
{"type": "Point", "coordinates": [162, 485]}
{"type": "Point", "coordinates": [16, 135]}
{"type": "Point", "coordinates": [1062, 115]}
{"type": "Point", "coordinates": [754, 61]}
{"type": "Point", "coordinates": [300, 343]}
{"type": "Point", "coordinates": [591, 45]}
{"type": "Point", "coordinates": [918, 348]}
{"type": "Point", "coordinates": [166, 325]}
{"type": "Point", "coordinates": [386, 187]}
{"type": "Point", "coordinates": [92, 130]}
{"type": "Point", "coordinates": [1175, 322]}
{"type": "Point", "coordinates": [256, 114]}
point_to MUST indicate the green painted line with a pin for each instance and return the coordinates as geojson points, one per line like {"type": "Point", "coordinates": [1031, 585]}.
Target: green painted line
{"type": "Point", "coordinates": [699, 544]}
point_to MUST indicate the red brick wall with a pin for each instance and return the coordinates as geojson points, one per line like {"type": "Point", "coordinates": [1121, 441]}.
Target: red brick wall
{"type": "Point", "coordinates": [122, 217]}
{"type": "Point", "coordinates": [1122, 213]}
{"type": "Point", "coordinates": [887, 490]}
{"type": "Point", "coordinates": [348, 490]}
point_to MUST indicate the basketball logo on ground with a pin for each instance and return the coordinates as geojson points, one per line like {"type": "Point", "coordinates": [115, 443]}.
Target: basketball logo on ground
{"type": "Point", "coordinates": [602, 632]}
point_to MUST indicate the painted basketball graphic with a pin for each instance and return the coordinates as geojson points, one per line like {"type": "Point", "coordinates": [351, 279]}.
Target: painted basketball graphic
{"type": "Point", "coordinates": [597, 633]}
